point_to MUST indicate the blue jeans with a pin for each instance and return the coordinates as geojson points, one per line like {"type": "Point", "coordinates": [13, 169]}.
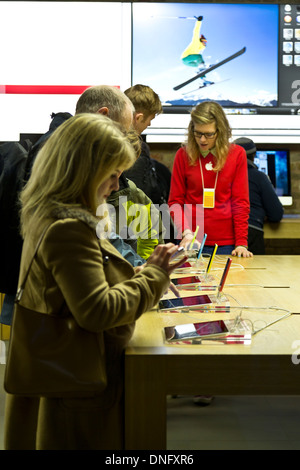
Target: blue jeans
{"type": "Point", "coordinates": [222, 250]}
{"type": "Point", "coordinates": [7, 309]}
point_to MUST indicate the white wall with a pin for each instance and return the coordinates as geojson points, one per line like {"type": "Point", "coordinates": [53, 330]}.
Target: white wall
{"type": "Point", "coordinates": [260, 128]}
{"type": "Point", "coordinates": [58, 43]}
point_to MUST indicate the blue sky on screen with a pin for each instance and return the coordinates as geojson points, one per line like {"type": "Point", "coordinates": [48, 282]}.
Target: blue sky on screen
{"type": "Point", "coordinates": [161, 32]}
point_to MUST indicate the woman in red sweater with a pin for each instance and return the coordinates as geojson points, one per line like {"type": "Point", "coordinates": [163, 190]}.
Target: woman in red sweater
{"type": "Point", "coordinates": [210, 176]}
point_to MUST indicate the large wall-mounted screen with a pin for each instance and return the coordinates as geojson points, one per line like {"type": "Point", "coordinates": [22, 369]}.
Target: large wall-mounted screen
{"type": "Point", "coordinates": [276, 164]}
{"type": "Point", "coordinates": [245, 56]}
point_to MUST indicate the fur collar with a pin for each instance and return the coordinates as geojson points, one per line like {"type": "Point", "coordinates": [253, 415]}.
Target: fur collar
{"type": "Point", "coordinates": [77, 212]}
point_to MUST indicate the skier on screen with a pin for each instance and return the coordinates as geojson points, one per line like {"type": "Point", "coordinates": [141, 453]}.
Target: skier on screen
{"type": "Point", "coordinates": [192, 56]}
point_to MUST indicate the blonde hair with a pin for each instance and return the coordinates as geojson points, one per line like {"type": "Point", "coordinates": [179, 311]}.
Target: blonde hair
{"type": "Point", "coordinates": [133, 137]}
{"type": "Point", "coordinates": [76, 159]}
{"type": "Point", "coordinates": [144, 100]}
{"type": "Point", "coordinates": [209, 112]}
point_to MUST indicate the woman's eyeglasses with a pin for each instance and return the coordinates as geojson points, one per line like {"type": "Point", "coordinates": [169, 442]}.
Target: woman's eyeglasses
{"type": "Point", "coordinates": [207, 135]}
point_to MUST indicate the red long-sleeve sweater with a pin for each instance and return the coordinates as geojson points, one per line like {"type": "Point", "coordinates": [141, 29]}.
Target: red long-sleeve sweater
{"type": "Point", "coordinates": [227, 222]}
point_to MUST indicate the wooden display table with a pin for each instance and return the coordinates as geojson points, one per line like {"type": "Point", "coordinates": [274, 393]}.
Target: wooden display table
{"type": "Point", "coordinates": [269, 366]}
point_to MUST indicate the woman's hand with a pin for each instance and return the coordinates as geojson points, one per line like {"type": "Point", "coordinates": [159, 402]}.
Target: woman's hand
{"type": "Point", "coordinates": [241, 251]}
{"type": "Point", "coordinates": [162, 256]}
{"type": "Point", "coordinates": [138, 269]}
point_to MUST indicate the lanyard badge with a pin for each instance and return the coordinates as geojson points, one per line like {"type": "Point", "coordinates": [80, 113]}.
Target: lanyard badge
{"type": "Point", "coordinates": [208, 198]}
{"type": "Point", "coordinates": [208, 193]}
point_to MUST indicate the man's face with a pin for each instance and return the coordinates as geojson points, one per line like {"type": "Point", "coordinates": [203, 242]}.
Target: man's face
{"type": "Point", "coordinates": [140, 122]}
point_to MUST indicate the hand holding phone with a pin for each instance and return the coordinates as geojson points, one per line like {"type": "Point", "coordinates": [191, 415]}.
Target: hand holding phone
{"type": "Point", "coordinates": [178, 255]}
{"type": "Point", "coordinates": [165, 256]}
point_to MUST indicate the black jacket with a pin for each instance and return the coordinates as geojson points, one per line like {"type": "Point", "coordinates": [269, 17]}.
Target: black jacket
{"type": "Point", "coordinates": [151, 176]}
{"type": "Point", "coordinates": [264, 202]}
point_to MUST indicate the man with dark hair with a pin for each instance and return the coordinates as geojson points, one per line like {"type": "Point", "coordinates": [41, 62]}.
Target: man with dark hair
{"type": "Point", "coordinates": [148, 174]}
{"type": "Point", "coordinates": [133, 208]}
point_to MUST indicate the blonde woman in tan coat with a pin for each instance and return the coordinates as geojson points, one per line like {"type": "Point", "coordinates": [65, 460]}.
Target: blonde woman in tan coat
{"type": "Point", "coordinates": [77, 270]}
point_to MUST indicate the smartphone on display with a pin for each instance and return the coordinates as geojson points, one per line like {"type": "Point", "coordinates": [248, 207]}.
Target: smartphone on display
{"type": "Point", "coordinates": [180, 254]}
{"type": "Point", "coordinates": [209, 329]}
{"type": "Point", "coordinates": [219, 329]}
{"type": "Point", "coordinates": [186, 281]}
{"type": "Point", "coordinates": [184, 302]}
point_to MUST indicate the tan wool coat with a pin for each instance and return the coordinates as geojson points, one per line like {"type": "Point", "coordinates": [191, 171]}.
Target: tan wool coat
{"type": "Point", "coordinates": [74, 269]}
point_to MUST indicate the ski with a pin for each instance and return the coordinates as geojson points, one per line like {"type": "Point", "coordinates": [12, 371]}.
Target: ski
{"type": "Point", "coordinates": [209, 69]}
{"type": "Point", "coordinates": [205, 85]}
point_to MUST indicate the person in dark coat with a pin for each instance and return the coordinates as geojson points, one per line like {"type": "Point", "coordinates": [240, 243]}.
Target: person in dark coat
{"type": "Point", "coordinates": [151, 176]}
{"type": "Point", "coordinates": [264, 202]}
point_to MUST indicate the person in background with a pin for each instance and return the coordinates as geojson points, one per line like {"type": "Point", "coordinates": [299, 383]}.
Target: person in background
{"type": "Point", "coordinates": [105, 100]}
{"type": "Point", "coordinates": [192, 55]}
{"type": "Point", "coordinates": [108, 101]}
{"type": "Point", "coordinates": [210, 172]}
{"type": "Point", "coordinates": [264, 202]}
{"type": "Point", "coordinates": [148, 174]}
{"type": "Point", "coordinates": [77, 271]}
{"type": "Point", "coordinates": [141, 227]}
